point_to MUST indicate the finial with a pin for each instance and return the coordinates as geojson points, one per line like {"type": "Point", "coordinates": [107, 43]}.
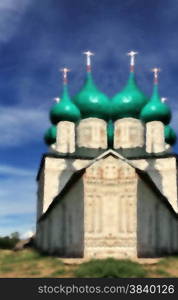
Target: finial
{"type": "Point", "coordinates": [88, 55]}
{"type": "Point", "coordinates": [163, 99]}
{"type": "Point", "coordinates": [65, 71]}
{"type": "Point", "coordinates": [56, 99]}
{"type": "Point", "coordinates": [132, 59]}
{"type": "Point", "coordinates": [156, 72]}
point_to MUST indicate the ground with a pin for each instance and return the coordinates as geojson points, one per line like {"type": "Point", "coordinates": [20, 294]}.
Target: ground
{"type": "Point", "coordinates": [29, 263]}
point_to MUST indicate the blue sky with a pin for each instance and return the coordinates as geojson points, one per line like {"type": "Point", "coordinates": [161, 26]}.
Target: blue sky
{"type": "Point", "coordinates": [39, 37]}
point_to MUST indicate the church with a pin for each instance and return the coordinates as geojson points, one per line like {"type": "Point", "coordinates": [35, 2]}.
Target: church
{"type": "Point", "coordinates": [107, 187]}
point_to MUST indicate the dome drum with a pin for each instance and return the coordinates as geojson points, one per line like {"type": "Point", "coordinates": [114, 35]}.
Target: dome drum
{"type": "Point", "coordinates": [92, 133]}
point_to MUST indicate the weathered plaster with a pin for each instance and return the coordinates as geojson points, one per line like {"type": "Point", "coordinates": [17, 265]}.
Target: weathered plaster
{"type": "Point", "coordinates": [92, 133]}
{"type": "Point", "coordinates": [155, 141]}
{"type": "Point", "coordinates": [65, 140]}
{"type": "Point", "coordinates": [128, 133]}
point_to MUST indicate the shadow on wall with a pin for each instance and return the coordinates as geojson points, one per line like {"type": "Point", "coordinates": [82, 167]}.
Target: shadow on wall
{"type": "Point", "coordinates": [154, 174]}
{"type": "Point", "coordinates": [148, 232]}
{"type": "Point", "coordinates": [66, 228]}
{"type": "Point", "coordinates": [66, 174]}
{"type": "Point", "coordinates": [156, 223]}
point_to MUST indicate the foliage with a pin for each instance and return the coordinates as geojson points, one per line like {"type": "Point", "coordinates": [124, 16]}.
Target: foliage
{"type": "Point", "coordinates": [9, 242]}
{"type": "Point", "coordinates": [110, 268]}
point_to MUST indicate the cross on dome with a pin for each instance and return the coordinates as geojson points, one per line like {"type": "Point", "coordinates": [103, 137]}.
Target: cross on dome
{"type": "Point", "coordinates": [163, 99]}
{"type": "Point", "coordinates": [88, 55]}
{"type": "Point", "coordinates": [65, 71]}
{"type": "Point", "coordinates": [132, 59]}
{"type": "Point", "coordinates": [56, 99]}
{"type": "Point", "coordinates": [156, 72]}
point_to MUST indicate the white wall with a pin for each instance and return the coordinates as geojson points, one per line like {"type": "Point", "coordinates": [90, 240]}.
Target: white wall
{"type": "Point", "coordinates": [53, 177]}
{"type": "Point", "coordinates": [65, 140]}
{"type": "Point", "coordinates": [155, 140]}
{"type": "Point", "coordinates": [110, 215]}
{"type": "Point", "coordinates": [110, 209]}
{"type": "Point", "coordinates": [128, 133]}
{"type": "Point", "coordinates": [92, 133]}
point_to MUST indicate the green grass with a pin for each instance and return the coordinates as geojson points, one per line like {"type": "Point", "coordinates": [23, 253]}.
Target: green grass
{"type": "Point", "coordinates": [6, 268]}
{"type": "Point", "coordinates": [15, 257]}
{"type": "Point", "coordinates": [37, 272]}
{"type": "Point", "coordinates": [168, 260]}
{"type": "Point", "coordinates": [30, 263]}
{"type": "Point", "coordinates": [162, 272]}
{"type": "Point", "coordinates": [58, 273]}
{"type": "Point", "coordinates": [110, 268]}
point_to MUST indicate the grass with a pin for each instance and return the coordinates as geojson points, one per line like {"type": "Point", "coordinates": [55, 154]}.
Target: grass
{"type": "Point", "coordinates": [30, 263]}
{"type": "Point", "coordinates": [110, 268]}
{"type": "Point", "coordinates": [58, 273]}
{"type": "Point", "coordinates": [162, 272]}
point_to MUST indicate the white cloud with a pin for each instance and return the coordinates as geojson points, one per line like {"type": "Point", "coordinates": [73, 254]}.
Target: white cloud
{"type": "Point", "coordinates": [13, 4]}
{"type": "Point", "coordinates": [27, 234]}
{"type": "Point", "coordinates": [19, 126]}
{"type": "Point", "coordinates": [10, 170]}
{"type": "Point", "coordinates": [11, 12]}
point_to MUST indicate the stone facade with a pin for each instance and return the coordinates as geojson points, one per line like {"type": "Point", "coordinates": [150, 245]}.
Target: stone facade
{"type": "Point", "coordinates": [53, 176]}
{"type": "Point", "coordinates": [50, 182]}
{"type": "Point", "coordinates": [66, 130]}
{"type": "Point", "coordinates": [96, 203]}
{"type": "Point", "coordinates": [155, 137]}
{"type": "Point", "coordinates": [128, 133]}
{"type": "Point", "coordinates": [110, 209]}
{"type": "Point", "coordinates": [91, 133]}
{"type": "Point", "coordinates": [118, 215]}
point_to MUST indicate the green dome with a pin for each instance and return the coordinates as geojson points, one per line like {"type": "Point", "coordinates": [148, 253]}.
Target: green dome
{"type": "Point", "coordinates": [91, 102]}
{"type": "Point", "coordinates": [65, 110]}
{"type": "Point", "coordinates": [110, 133]}
{"type": "Point", "coordinates": [155, 110]}
{"type": "Point", "coordinates": [50, 135]}
{"type": "Point", "coordinates": [170, 135]}
{"type": "Point", "coordinates": [129, 102]}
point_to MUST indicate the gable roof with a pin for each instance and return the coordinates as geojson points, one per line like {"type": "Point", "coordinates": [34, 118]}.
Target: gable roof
{"type": "Point", "coordinates": [72, 180]}
{"type": "Point", "coordinates": [107, 153]}
{"type": "Point", "coordinates": [78, 174]}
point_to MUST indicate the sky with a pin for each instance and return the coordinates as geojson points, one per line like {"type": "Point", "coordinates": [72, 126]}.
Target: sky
{"type": "Point", "coordinates": [37, 38]}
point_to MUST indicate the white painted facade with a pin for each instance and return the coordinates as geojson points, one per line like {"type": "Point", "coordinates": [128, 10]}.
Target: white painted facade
{"type": "Point", "coordinates": [109, 212]}
{"type": "Point", "coordinates": [128, 133]}
{"type": "Point", "coordinates": [155, 137]}
{"type": "Point", "coordinates": [65, 139]}
{"type": "Point", "coordinates": [109, 205]}
{"type": "Point", "coordinates": [92, 133]}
